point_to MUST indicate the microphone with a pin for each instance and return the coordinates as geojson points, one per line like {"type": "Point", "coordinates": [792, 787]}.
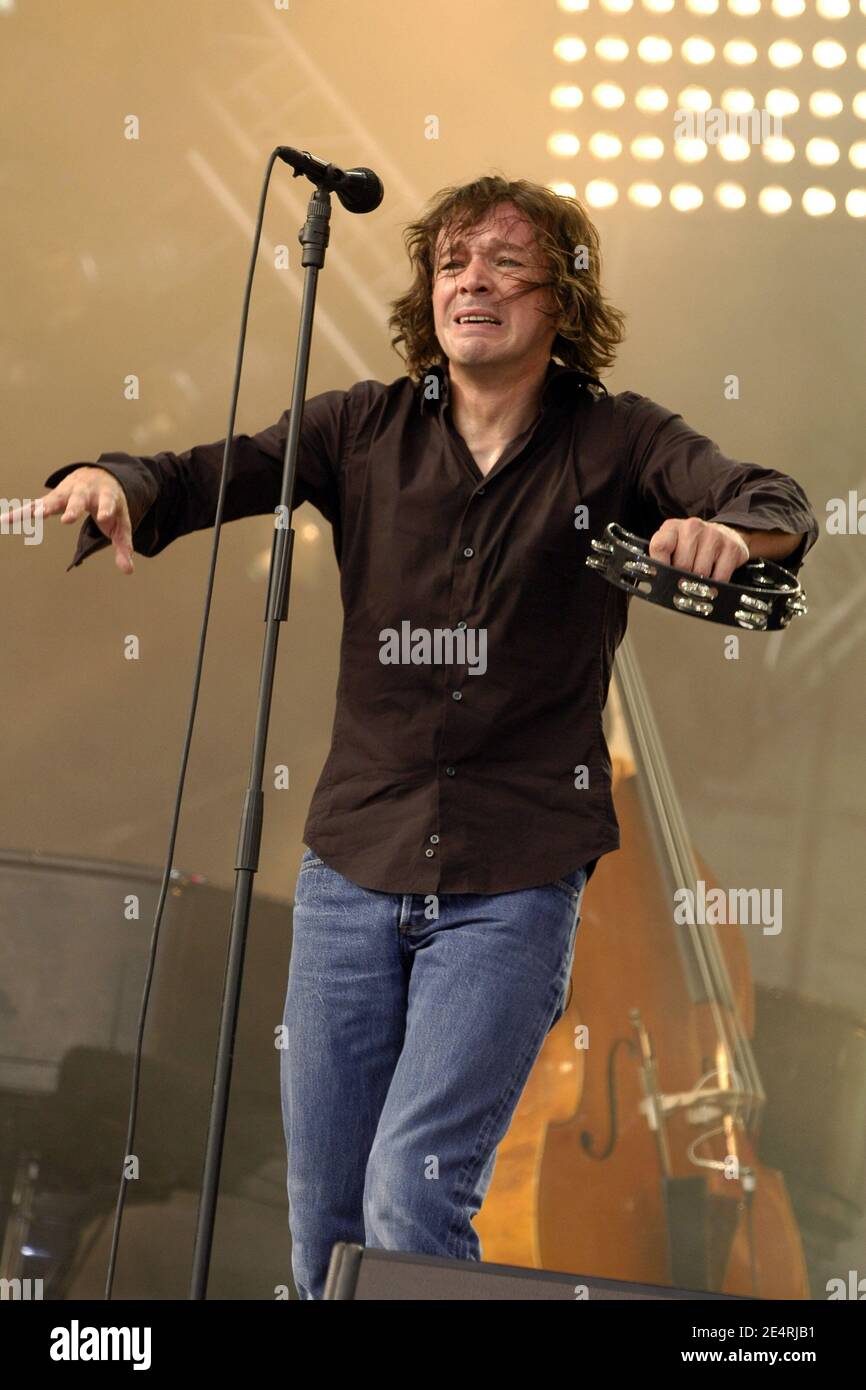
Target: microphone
{"type": "Point", "coordinates": [359, 190]}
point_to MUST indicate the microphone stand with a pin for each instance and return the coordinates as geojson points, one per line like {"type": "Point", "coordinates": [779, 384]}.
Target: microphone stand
{"type": "Point", "coordinates": [313, 236]}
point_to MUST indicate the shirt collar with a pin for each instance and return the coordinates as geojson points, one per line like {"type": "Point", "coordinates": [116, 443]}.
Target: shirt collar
{"type": "Point", "coordinates": [559, 382]}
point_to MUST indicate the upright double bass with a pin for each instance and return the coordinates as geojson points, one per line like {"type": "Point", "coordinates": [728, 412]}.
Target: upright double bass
{"type": "Point", "coordinates": [632, 1154]}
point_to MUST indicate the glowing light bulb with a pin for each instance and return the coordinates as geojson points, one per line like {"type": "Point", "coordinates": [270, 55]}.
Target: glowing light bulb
{"type": "Point", "coordinates": [601, 193]}
{"type": "Point", "coordinates": [645, 195]}
{"type": "Point", "coordinates": [685, 197]}
{"type": "Point", "coordinates": [774, 200]}
{"type": "Point", "coordinates": [653, 99]}
{"type": "Point", "coordinates": [818, 202]}
{"type": "Point", "coordinates": [566, 97]}
{"type": "Point", "coordinates": [570, 49]}
{"type": "Point", "coordinates": [730, 195]}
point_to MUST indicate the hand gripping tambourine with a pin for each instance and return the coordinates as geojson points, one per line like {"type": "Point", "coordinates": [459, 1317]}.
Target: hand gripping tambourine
{"type": "Point", "coordinates": [759, 594]}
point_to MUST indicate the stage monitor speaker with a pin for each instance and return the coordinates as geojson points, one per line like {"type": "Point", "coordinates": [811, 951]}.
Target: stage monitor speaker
{"type": "Point", "coordinates": [357, 1273]}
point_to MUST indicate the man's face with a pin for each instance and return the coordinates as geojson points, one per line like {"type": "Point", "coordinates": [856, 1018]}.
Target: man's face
{"type": "Point", "coordinates": [481, 274]}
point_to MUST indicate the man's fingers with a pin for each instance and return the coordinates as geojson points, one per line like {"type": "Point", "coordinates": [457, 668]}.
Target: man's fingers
{"type": "Point", "coordinates": [112, 518]}
{"type": "Point", "coordinates": [106, 507]}
{"type": "Point", "coordinates": [728, 560]}
{"type": "Point", "coordinates": [707, 556]}
{"type": "Point", "coordinates": [75, 506]}
{"type": "Point", "coordinates": [90, 492]}
{"type": "Point", "coordinates": [122, 541]}
{"type": "Point", "coordinates": [675, 543]}
{"type": "Point", "coordinates": [690, 539]}
{"type": "Point", "coordinates": [12, 515]}
{"type": "Point", "coordinates": [663, 543]}
{"type": "Point", "coordinates": [700, 547]}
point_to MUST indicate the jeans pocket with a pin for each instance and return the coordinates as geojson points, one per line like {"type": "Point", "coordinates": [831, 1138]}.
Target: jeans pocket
{"type": "Point", "coordinates": [310, 860]}
{"type": "Point", "coordinates": [572, 883]}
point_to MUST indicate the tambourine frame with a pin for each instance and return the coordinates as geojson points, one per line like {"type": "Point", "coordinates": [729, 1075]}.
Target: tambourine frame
{"type": "Point", "coordinates": [760, 595]}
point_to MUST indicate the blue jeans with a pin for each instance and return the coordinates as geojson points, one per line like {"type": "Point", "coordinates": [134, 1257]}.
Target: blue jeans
{"type": "Point", "coordinates": [408, 1039]}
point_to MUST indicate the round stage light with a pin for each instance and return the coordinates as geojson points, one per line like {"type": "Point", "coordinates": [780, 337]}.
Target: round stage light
{"type": "Point", "coordinates": [737, 100]}
{"type": "Point", "coordinates": [825, 104]}
{"type": "Point", "coordinates": [822, 152]}
{"type": "Point", "coordinates": [781, 101]}
{"type": "Point", "coordinates": [566, 97]}
{"type": "Point", "coordinates": [569, 48]}
{"type": "Point", "coordinates": [690, 151]}
{"type": "Point", "coordinates": [601, 193]}
{"type": "Point", "coordinates": [653, 49]}
{"type": "Point", "coordinates": [645, 195]}
{"type": "Point", "coordinates": [739, 52]}
{"type": "Point", "coordinates": [827, 53]}
{"type": "Point", "coordinates": [563, 144]}
{"type": "Point", "coordinates": [647, 147]}
{"type": "Point", "coordinates": [612, 50]}
{"type": "Point", "coordinates": [785, 54]}
{"type": "Point", "coordinates": [730, 195]}
{"type": "Point", "coordinates": [604, 145]}
{"type": "Point", "coordinates": [698, 51]}
{"type": "Point", "coordinates": [777, 150]}
{"type": "Point", "coordinates": [774, 200]}
{"type": "Point", "coordinates": [608, 95]}
{"type": "Point", "coordinates": [685, 197]}
{"type": "Point", "coordinates": [734, 148]}
{"type": "Point", "coordinates": [818, 202]}
{"type": "Point", "coordinates": [651, 99]}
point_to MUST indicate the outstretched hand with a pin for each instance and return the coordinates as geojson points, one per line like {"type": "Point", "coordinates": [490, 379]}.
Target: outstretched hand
{"type": "Point", "coordinates": [86, 491]}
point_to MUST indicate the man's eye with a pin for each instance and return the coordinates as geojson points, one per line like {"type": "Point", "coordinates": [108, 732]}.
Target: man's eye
{"type": "Point", "coordinates": [447, 265]}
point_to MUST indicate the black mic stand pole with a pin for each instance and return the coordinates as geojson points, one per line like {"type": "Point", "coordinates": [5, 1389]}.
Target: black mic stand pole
{"type": "Point", "coordinates": [313, 237]}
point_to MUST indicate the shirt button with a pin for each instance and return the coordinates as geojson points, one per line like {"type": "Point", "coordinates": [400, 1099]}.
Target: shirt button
{"type": "Point", "coordinates": [429, 853]}
{"type": "Point", "coordinates": [480, 492]}
{"type": "Point", "coordinates": [434, 839]}
{"type": "Point", "coordinates": [451, 771]}
{"type": "Point", "coordinates": [469, 552]}
{"type": "Point", "coordinates": [456, 694]}
{"type": "Point", "coordinates": [461, 624]}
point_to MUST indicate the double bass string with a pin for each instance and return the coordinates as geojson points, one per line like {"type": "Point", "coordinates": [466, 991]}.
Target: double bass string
{"type": "Point", "coordinates": [681, 867]}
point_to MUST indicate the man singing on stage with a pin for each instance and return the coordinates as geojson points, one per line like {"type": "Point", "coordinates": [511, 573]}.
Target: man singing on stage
{"type": "Point", "coordinates": [465, 802]}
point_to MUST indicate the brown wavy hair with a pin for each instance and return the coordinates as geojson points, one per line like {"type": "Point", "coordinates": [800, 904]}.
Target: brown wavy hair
{"type": "Point", "coordinates": [588, 328]}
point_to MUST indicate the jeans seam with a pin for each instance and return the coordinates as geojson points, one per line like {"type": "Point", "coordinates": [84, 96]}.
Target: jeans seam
{"type": "Point", "coordinates": [459, 1197]}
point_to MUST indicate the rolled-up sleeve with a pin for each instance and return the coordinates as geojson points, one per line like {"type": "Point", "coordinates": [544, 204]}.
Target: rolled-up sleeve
{"type": "Point", "coordinates": [676, 472]}
{"type": "Point", "coordinates": [170, 495]}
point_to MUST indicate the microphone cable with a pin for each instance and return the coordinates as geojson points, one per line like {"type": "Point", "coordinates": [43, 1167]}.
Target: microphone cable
{"type": "Point", "coordinates": [172, 837]}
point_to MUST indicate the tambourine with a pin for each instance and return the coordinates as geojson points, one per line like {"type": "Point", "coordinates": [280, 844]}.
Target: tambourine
{"type": "Point", "coordinates": [759, 595]}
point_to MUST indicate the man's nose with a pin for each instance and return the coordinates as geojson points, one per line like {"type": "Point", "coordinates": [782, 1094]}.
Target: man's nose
{"type": "Point", "coordinates": [474, 277]}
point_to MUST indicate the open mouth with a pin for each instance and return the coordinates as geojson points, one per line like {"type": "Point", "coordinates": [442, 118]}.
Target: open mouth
{"type": "Point", "coordinates": [477, 321]}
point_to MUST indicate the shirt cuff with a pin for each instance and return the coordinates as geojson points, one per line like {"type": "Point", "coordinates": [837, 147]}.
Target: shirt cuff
{"type": "Point", "coordinates": [754, 521]}
{"type": "Point", "coordinates": [138, 488]}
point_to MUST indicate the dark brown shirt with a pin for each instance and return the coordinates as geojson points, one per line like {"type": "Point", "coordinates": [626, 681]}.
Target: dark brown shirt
{"type": "Point", "coordinates": [458, 772]}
